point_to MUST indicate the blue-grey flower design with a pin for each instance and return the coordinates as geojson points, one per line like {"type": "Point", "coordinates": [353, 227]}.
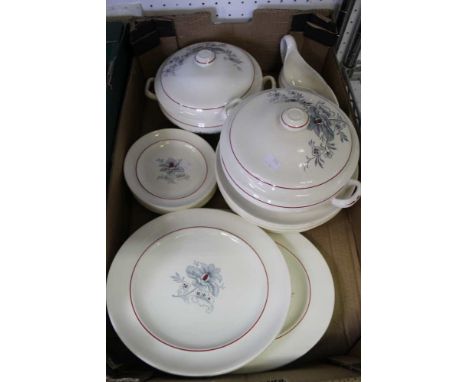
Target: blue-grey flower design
{"type": "Point", "coordinates": [171, 170]}
{"type": "Point", "coordinates": [323, 121]}
{"type": "Point", "coordinates": [217, 47]}
{"type": "Point", "coordinates": [319, 152]}
{"type": "Point", "coordinates": [206, 276]}
{"type": "Point", "coordinates": [203, 287]}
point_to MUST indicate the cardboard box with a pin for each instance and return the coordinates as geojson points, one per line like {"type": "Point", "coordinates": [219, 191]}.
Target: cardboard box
{"type": "Point", "coordinates": [117, 67]}
{"type": "Point", "coordinates": [337, 355]}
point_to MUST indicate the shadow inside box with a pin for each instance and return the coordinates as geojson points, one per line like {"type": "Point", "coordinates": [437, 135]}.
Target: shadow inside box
{"type": "Point", "coordinates": [120, 361]}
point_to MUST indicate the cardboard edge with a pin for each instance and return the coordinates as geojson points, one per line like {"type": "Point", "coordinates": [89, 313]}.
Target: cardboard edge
{"type": "Point", "coordinates": [118, 194]}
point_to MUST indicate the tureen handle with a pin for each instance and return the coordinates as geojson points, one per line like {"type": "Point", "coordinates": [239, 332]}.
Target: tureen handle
{"type": "Point", "coordinates": [231, 104]}
{"type": "Point", "coordinates": [287, 44]}
{"type": "Point", "coordinates": [348, 202]}
{"type": "Point", "coordinates": [269, 79]}
{"type": "Point", "coordinates": [148, 86]}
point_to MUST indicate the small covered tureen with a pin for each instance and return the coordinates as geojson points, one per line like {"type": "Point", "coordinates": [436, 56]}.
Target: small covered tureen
{"type": "Point", "coordinates": [194, 85]}
{"type": "Point", "coordinates": [289, 151]}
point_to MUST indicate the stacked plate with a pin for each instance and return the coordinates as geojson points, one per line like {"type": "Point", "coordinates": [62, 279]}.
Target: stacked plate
{"type": "Point", "coordinates": [171, 169]}
{"type": "Point", "coordinates": [202, 292]}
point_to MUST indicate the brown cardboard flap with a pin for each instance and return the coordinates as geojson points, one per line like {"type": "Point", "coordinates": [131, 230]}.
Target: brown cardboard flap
{"type": "Point", "coordinates": [260, 36]}
{"type": "Point", "coordinates": [314, 53]}
{"type": "Point", "coordinates": [150, 61]}
{"type": "Point", "coordinates": [336, 242]}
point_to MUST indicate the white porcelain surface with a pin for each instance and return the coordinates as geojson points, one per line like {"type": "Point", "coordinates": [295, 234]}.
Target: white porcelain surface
{"type": "Point", "coordinates": [187, 82]}
{"type": "Point", "coordinates": [271, 220]}
{"type": "Point", "coordinates": [288, 150]}
{"type": "Point", "coordinates": [298, 73]}
{"type": "Point", "coordinates": [198, 292]}
{"type": "Point", "coordinates": [311, 307]}
{"type": "Point", "coordinates": [170, 169]}
{"type": "Point", "coordinates": [194, 84]}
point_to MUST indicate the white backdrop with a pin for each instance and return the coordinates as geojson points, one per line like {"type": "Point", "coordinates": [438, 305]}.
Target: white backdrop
{"type": "Point", "coordinates": [222, 10]}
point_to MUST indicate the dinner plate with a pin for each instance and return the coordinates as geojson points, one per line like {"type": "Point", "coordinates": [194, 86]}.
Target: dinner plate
{"type": "Point", "coordinates": [198, 292]}
{"type": "Point", "coordinates": [170, 169]}
{"type": "Point", "coordinates": [271, 221]}
{"type": "Point", "coordinates": [311, 308]}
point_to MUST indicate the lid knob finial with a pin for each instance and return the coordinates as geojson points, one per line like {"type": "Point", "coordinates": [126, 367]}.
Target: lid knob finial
{"type": "Point", "coordinates": [295, 119]}
{"type": "Point", "coordinates": [205, 57]}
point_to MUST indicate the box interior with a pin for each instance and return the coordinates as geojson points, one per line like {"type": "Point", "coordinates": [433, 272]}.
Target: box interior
{"type": "Point", "coordinates": [338, 240]}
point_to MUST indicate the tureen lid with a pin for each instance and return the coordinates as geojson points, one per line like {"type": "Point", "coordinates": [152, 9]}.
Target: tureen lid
{"type": "Point", "coordinates": [291, 139]}
{"type": "Point", "coordinates": [207, 75]}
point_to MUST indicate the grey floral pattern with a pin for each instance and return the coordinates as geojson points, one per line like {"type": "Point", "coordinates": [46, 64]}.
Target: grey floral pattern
{"type": "Point", "coordinates": [327, 125]}
{"type": "Point", "coordinates": [219, 48]}
{"type": "Point", "coordinates": [202, 286]}
{"type": "Point", "coordinates": [171, 170]}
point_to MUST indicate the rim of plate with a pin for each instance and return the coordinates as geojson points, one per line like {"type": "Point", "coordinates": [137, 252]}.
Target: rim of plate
{"type": "Point", "coordinates": [219, 361]}
{"type": "Point", "coordinates": [309, 289]}
{"type": "Point", "coordinates": [315, 321]}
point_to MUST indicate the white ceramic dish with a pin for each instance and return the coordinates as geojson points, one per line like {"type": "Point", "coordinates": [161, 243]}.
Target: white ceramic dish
{"type": "Point", "coordinates": [194, 85]}
{"type": "Point", "coordinates": [311, 308]}
{"type": "Point", "coordinates": [271, 221]}
{"type": "Point", "coordinates": [198, 292]}
{"type": "Point", "coordinates": [171, 169]}
{"type": "Point", "coordinates": [289, 150]}
{"type": "Point", "coordinates": [298, 73]}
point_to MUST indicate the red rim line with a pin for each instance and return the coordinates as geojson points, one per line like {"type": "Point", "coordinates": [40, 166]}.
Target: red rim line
{"type": "Point", "coordinates": [188, 349]}
{"type": "Point", "coordinates": [210, 108]}
{"type": "Point", "coordinates": [283, 187]}
{"type": "Point", "coordinates": [188, 124]}
{"type": "Point", "coordinates": [293, 127]}
{"type": "Point", "coordinates": [177, 140]}
{"type": "Point", "coordinates": [309, 288]}
{"type": "Point", "coordinates": [276, 205]}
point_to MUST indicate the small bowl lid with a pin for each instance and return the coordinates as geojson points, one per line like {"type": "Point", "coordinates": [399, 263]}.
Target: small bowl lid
{"type": "Point", "coordinates": [292, 140]}
{"type": "Point", "coordinates": [207, 75]}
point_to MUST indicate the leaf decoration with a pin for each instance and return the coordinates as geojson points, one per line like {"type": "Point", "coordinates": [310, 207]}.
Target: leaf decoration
{"type": "Point", "coordinates": [325, 123]}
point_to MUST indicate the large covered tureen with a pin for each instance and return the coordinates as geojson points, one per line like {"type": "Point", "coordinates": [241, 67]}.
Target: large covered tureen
{"type": "Point", "coordinates": [287, 158]}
